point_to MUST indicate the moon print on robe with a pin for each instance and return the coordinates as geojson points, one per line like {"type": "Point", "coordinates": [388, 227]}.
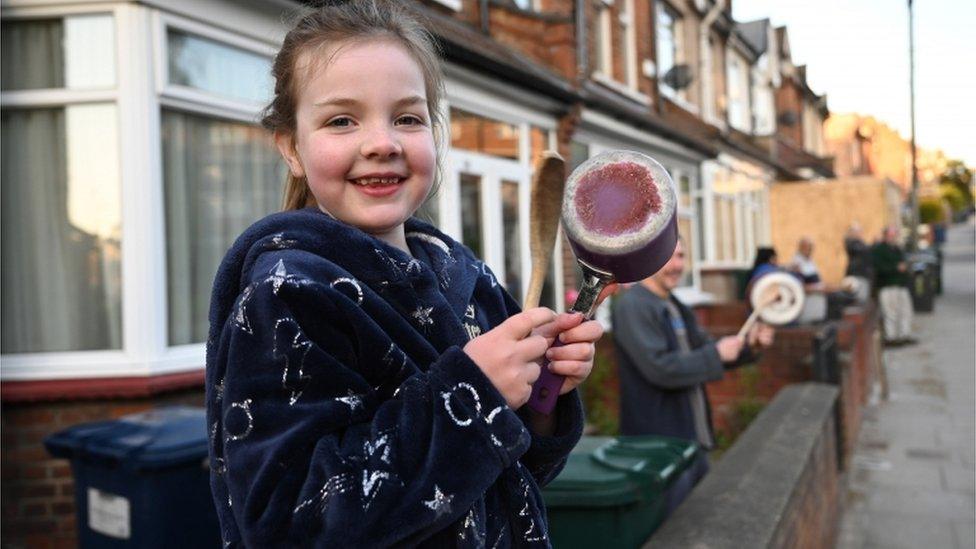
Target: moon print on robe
{"type": "Point", "coordinates": [238, 420]}
{"type": "Point", "coordinates": [391, 357]}
{"type": "Point", "coordinates": [337, 484]}
{"type": "Point", "coordinates": [440, 503]}
{"type": "Point", "coordinates": [461, 422]}
{"type": "Point", "coordinates": [355, 291]}
{"type": "Point", "coordinates": [292, 346]}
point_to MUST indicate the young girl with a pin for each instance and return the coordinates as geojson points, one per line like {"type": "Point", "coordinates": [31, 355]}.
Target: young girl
{"type": "Point", "coordinates": [365, 373]}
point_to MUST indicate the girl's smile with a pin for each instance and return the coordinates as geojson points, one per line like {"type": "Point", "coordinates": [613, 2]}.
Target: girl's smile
{"type": "Point", "coordinates": [363, 136]}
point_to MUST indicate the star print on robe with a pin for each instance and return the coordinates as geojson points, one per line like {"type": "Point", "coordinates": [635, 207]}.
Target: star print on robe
{"type": "Point", "coordinates": [440, 503]}
{"type": "Point", "coordinates": [346, 447]}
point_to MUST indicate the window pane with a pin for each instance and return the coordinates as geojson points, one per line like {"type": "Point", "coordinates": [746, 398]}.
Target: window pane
{"type": "Point", "coordinates": [33, 56]}
{"type": "Point", "coordinates": [218, 68]}
{"type": "Point", "coordinates": [511, 230]}
{"type": "Point", "coordinates": [219, 177]}
{"type": "Point", "coordinates": [472, 132]}
{"type": "Point", "coordinates": [471, 213]}
{"type": "Point", "coordinates": [77, 52]}
{"type": "Point", "coordinates": [62, 231]}
{"type": "Point", "coordinates": [665, 41]}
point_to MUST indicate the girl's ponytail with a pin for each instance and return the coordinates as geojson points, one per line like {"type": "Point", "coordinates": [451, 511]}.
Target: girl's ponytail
{"type": "Point", "coordinates": [297, 194]}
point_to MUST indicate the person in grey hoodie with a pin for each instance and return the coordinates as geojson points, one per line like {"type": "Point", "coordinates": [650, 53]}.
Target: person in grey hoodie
{"type": "Point", "coordinates": [665, 358]}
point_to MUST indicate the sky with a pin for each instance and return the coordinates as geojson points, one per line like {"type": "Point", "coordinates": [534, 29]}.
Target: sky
{"type": "Point", "coordinates": [856, 51]}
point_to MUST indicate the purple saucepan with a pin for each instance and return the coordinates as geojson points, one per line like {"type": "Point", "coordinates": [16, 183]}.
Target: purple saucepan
{"type": "Point", "coordinates": [619, 216]}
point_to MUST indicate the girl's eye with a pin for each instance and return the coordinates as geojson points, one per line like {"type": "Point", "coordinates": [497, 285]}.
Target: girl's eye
{"type": "Point", "coordinates": [340, 122]}
{"type": "Point", "coordinates": [410, 120]}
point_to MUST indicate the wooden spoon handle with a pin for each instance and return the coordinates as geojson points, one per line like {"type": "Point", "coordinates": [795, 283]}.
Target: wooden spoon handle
{"type": "Point", "coordinates": [546, 203]}
{"type": "Point", "coordinates": [536, 281]}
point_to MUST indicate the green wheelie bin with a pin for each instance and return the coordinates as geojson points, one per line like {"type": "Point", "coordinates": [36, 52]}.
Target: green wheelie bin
{"type": "Point", "coordinates": [614, 492]}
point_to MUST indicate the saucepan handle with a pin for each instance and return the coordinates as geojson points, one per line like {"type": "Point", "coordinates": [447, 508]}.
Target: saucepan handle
{"type": "Point", "coordinates": [545, 390]}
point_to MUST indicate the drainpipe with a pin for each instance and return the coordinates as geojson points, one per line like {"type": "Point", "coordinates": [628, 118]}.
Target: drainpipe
{"type": "Point", "coordinates": [582, 52]}
{"type": "Point", "coordinates": [704, 54]}
{"type": "Point", "coordinates": [483, 13]}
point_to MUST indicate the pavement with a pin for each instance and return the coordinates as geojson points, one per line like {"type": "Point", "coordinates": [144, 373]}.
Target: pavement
{"type": "Point", "coordinates": [911, 483]}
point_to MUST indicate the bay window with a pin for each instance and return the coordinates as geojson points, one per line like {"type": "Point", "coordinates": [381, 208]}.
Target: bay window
{"type": "Point", "coordinates": [61, 212]}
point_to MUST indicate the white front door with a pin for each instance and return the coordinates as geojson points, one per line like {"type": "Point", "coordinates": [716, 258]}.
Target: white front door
{"type": "Point", "coordinates": [484, 204]}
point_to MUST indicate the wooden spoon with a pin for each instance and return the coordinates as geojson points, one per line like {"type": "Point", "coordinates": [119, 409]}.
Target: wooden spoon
{"type": "Point", "coordinates": [545, 207]}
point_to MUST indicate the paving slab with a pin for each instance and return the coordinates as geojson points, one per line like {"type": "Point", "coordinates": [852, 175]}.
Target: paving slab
{"type": "Point", "coordinates": [912, 481]}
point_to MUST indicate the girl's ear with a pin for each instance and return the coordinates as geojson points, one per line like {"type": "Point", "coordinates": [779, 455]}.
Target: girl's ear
{"type": "Point", "coordinates": [286, 146]}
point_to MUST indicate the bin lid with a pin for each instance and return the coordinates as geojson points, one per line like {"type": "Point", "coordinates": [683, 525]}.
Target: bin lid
{"type": "Point", "coordinates": [657, 459]}
{"type": "Point", "coordinates": [163, 437]}
{"type": "Point", "coordinates": [585, 483]}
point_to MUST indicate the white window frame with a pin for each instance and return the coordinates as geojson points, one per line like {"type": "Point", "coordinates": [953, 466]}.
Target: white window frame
{"type": "Point", "coordinates": [744, 203]}
{"type": "Point", "coordinates": [54, 365]}
{"type": "Point", "coordinates": [737, 97]}
{"type": "Point", "coordinates": [187, 99]}
{"type": "Point", "coordinates": [193, 100]}
{"type": "Point", "coordinates": [666, 90]}
{"type": "Point", "coordinates": [604, 61]}
{"type": "Point", "coordinates": [141, 91]}
{"type": "Point", "coordinates": [471, 99]}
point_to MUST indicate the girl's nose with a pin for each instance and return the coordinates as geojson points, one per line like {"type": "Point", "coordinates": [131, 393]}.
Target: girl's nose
{"type": "Point", "coordinates": [381, 142]}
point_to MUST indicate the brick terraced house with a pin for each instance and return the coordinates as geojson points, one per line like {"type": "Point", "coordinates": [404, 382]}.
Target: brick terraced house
{"type": "Point", "coordinates": [132, 158]}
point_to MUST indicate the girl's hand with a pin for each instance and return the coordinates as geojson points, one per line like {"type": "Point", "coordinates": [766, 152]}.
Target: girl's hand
{"type": "Point", "coordinates": [509, 354]}
{"type": "Point", "coordinates": [574, 358]}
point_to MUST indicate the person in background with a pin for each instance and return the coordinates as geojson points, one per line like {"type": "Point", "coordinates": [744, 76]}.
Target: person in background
{"type": "Point", "coordinates": [765, 263]}
{"type": "Point", "coordinates": [802, 264]}
{"type": "Point", "coordinates": [859, 262]}
{"type": "Point", "coordinates": [891, 272]}
{"type": "Point", "coordinates": [665, 359]}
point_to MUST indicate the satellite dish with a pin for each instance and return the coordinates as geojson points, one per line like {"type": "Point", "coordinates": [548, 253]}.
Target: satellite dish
{"type": "Point", "coordinates": [679, 76]}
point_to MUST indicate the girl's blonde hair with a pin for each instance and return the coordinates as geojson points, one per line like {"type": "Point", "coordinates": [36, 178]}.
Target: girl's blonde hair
{"type": "Point", "coordinates": [339, 22]}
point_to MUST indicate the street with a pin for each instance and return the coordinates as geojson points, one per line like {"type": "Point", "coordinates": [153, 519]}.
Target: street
{"type": "Point", "coordinates": [911, 482]}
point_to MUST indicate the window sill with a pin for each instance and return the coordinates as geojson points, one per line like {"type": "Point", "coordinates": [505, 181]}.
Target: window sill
{"type": "Point", "coordinates": [98, 388]}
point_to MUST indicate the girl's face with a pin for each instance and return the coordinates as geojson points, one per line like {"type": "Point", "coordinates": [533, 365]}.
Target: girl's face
{"type": "Point", "coordinates": [363, 136]}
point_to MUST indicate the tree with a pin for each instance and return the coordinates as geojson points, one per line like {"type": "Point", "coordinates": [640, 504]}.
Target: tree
{"type": "Point", "coordinates": [958, 177]}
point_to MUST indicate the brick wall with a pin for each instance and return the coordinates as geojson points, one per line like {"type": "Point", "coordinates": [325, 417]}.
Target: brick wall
{"type": "Point", "coordinates": [789, 360]}
{"type": "Point", "coordinates": [37, 493]}
{"type": "Point", "coordinates": [548, 40]}
{"type": "Point", "coordinates": [789, 99]}
{"type": "Point", "coordinates": [800, 209]}
{"type": "Point", "coordinates": [778, 486]}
